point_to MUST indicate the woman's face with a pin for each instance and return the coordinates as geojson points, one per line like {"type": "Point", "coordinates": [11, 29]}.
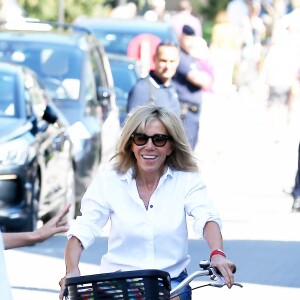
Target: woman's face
{"type": "Point", "coordinates": [150, 158]}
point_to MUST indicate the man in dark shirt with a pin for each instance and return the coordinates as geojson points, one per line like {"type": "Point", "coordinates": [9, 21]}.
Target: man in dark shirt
{"type": "Point", "coordinates": [189, 80]}
{"type": "Point", "coordinates": [157, 87]}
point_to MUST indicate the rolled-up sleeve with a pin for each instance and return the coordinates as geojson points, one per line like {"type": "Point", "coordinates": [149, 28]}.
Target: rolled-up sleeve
{"type": "Point", "coordinates": [94, 216]}
{"type": "Point", "coordinates": [200, 206]}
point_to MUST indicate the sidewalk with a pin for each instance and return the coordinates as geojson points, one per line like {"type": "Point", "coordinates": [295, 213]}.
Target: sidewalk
{"type": "Point", "coordinates": [246, 168]}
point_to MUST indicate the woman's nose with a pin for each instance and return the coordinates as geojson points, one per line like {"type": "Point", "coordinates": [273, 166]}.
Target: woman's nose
{"type": "Point", "coordinates": [149, 144]}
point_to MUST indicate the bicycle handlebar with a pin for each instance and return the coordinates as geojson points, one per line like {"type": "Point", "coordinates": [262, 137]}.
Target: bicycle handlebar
{"type": "Point", "coordinates": [216, 279]}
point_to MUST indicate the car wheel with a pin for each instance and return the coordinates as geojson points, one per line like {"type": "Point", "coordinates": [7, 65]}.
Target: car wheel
{"type": "Point", "coordinates": [33, 211]}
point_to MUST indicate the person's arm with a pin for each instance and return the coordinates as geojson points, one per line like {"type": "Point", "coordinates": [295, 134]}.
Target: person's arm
{"type": "Point", "coordinates": [52, 227]}
{"type": "Point", "coordinates": [199, 78]}
{"type": "Point", "coordinates": [213, 236]}
{"type": "Point", "coordinates": [73, 252]}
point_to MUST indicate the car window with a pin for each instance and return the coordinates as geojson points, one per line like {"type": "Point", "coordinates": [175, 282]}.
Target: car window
{"type": "Point", "coordinates": [58, 66]}
{"type": "Point", "coordinates": [118, 41]}
{"type": "Point", "coordinates": [115, 42]}
{"type": "Point", "coordinates": [7, 95]}
{"type": "Point", "coordinates": [124, 75]}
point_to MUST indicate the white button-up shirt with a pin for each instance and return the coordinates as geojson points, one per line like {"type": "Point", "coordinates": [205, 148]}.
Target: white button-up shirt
{"type": "Point", "coordinates": [156, 238]}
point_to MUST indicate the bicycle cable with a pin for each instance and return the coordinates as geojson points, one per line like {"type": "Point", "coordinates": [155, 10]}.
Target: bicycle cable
{"type": "Point", "coordinates": [197, 287]}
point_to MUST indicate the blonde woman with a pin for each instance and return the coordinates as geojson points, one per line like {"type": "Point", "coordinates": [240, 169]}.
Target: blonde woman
{"type": "Point", "coordinates": [152, 185]}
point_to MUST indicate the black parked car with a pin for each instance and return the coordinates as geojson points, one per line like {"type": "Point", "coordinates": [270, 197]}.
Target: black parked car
{"type": "Point", "coordinates": [126, 71]}
{"type": "Point", "coordinates": [36, 169]}
{"type": "Point", "coordinates": [75, 69]}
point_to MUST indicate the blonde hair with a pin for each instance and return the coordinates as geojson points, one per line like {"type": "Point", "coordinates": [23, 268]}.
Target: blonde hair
{"type": "Point", "coordinates": [181, 159]}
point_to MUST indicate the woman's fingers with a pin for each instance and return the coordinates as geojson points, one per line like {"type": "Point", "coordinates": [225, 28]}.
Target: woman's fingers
{"type": "Point", "coordinates": [62, 288]}
{"type": "Point", "coordinates": [225, 267]}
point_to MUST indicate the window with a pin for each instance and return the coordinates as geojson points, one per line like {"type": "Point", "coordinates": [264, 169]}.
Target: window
{"type": "Point", "coordinates": [7, 95]}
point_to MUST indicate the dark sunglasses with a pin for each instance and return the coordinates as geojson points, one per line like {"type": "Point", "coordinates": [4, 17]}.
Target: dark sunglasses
{"type": "Point", "coordinates": [158, 140]}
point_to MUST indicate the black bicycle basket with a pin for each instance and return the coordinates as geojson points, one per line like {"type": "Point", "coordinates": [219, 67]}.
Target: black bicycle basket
{"type": "Point", "coordinates": [129, 285]}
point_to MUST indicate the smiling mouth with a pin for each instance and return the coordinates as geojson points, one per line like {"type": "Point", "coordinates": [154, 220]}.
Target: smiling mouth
{"type": "Point", "coordinates": [149, 156]}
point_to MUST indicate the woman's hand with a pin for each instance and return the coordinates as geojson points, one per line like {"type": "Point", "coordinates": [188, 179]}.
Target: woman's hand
{"type": "Point", "coordinates": [225, 267]}
{"type": "Point", "coordinates": [56, 224]}
{"type": "Point", "coordinates": [62, 283]}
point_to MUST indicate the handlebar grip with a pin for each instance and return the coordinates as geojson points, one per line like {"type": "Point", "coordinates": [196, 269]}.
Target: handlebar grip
{"type": "Point", "coordinates": [66, 293]}
{"type": "Point", "coordinates": [233, 271]}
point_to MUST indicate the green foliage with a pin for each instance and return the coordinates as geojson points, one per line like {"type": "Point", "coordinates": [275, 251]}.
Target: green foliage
{"type": "Point", "coordinates": [210, 10]}
{"type": "Point", "coordinates": [207, 30]}
{"type": "Point", "coordinates": [48, 9]}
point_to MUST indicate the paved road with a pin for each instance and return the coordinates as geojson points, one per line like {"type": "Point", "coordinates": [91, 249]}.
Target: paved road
{"type": "Point", "coordinates": [246, 165]}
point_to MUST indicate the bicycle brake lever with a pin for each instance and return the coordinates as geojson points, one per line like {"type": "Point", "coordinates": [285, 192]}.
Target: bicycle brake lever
{"type": "Point", "coordinates": [238, 284]}
{"type": "Point", "coordinates": [219, 280]}
{"type": "Point", "coordinates": [220, 284]}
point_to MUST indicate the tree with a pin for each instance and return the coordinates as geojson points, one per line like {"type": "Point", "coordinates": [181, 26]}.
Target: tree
{"type": "Point", "coordinates": [211, 8]}
{"type": "Point", "coordinates": [48, 9]}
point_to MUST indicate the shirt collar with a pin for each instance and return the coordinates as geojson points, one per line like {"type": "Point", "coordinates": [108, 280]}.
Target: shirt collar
{"type": "Point", "coordinates": [156, 81]}
{"type": "Point", "coordinates": [128, 175]}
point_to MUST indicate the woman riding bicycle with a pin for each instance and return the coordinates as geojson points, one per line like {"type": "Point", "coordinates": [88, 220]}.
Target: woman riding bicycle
{"type": "Point", "coordinates": [151, 186]}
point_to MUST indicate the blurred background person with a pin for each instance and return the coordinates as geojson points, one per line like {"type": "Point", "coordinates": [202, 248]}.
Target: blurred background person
{"type": "Point", "coordinates": [201, 52]}
{"type": "Point", "coordinates": [280, 73]}
{"type": "Point", "coordinates": [259, 33]}
{"type": "Point", "coordinates": [125, 11]}
{"type": "Point", "coordinates": [190, 79]}
{"type": "Point", "coordinates": [272, 10]}
{"type": "Point", "coordinates": [185, 17]}
{"type": "Point", "coordinates": [225, 52]}
{"type": "Point", "coordinates": [157, 11]}
{"type": "Point", "coordinates": [291, 21]}
{"type": "Point", "coordinates": [238, 12]}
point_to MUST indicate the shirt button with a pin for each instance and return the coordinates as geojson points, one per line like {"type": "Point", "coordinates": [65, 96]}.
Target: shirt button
{"type": "Point", "coordinates": [151, 206]}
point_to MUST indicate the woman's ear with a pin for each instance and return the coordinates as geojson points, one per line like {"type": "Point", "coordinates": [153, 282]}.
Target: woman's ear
{"type": "Point", "coordinates": [170, 151]}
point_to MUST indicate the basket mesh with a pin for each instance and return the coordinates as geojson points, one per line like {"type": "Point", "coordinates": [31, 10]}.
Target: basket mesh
{"type": "Point", "coordinates": [147, 287]}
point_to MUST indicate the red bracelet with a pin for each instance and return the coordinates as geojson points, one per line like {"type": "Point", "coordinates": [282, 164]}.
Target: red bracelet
{"type": "Point", "coordinates": [217, 251]}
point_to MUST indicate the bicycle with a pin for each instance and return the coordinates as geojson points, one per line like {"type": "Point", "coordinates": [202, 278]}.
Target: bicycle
{"type": "Point", "coordinates": [136, 285]}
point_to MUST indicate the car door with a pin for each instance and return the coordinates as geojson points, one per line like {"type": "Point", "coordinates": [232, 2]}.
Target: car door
{"type": "Point", "coordinates": [52, 147]}
{"type": "Point", "coordinates": [107, 99]}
